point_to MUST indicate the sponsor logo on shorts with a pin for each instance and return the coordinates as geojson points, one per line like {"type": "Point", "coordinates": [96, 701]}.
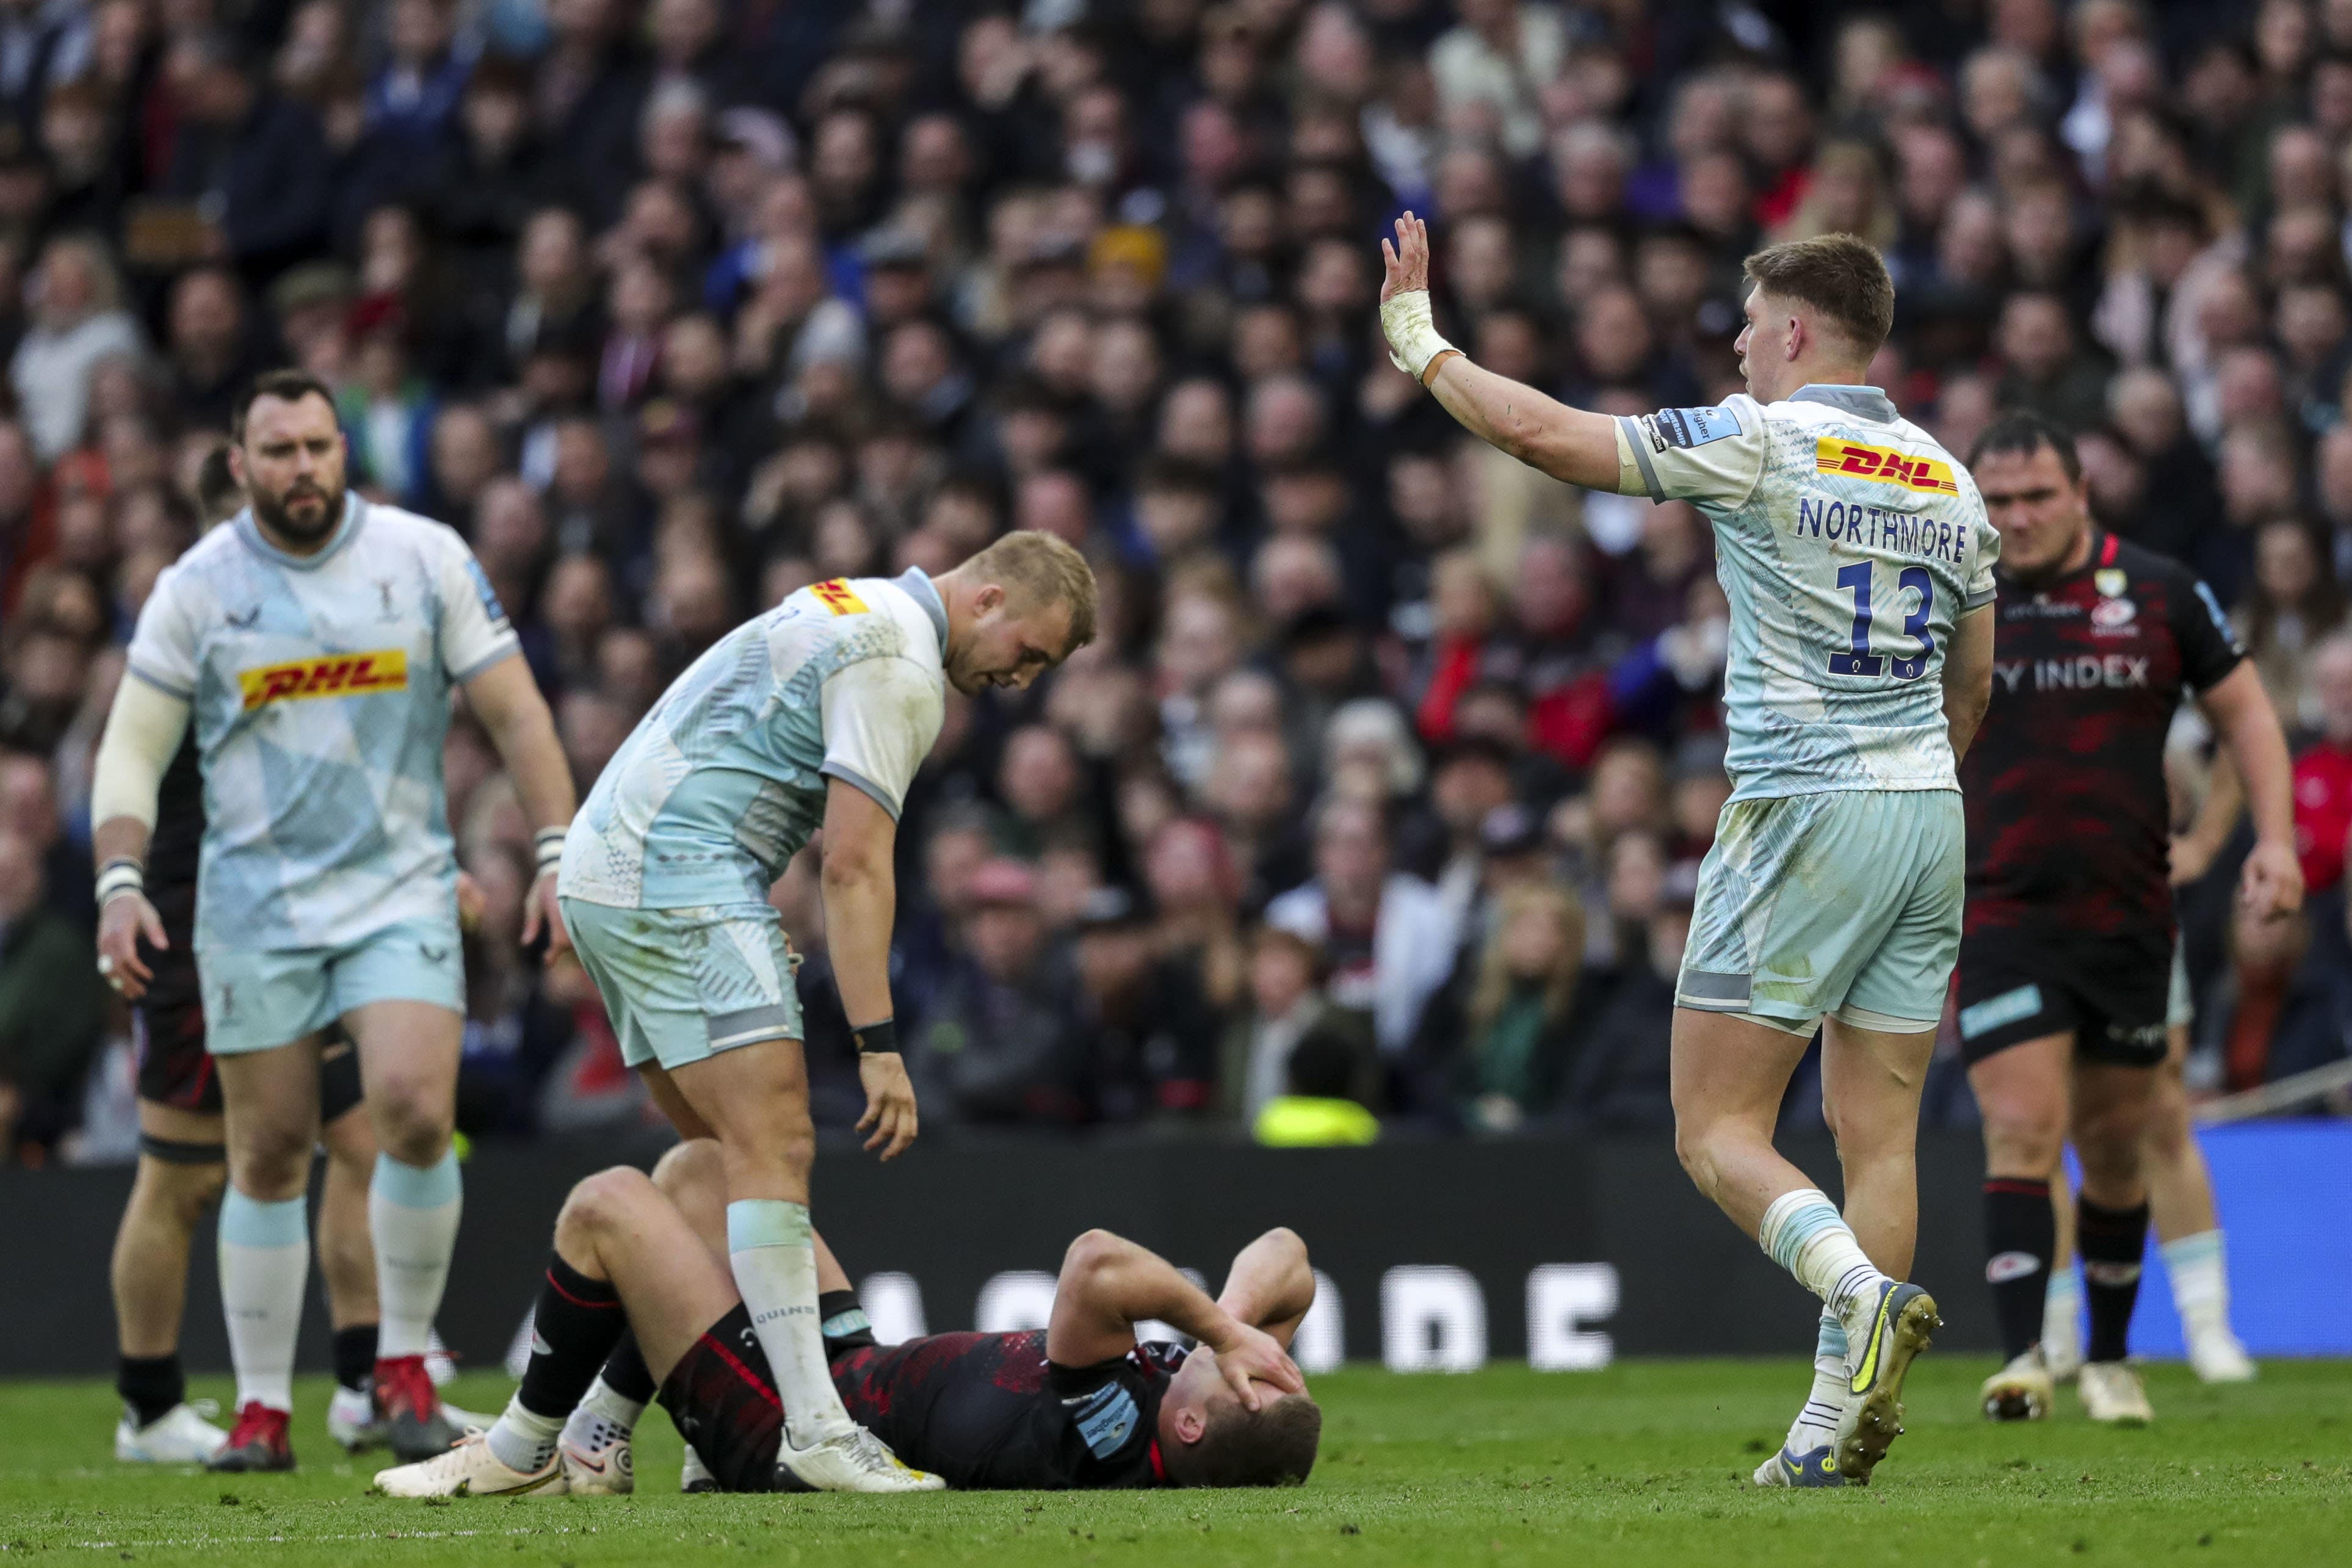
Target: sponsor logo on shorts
{"type": "Point", "coordinates": [2003, 1266]}
{"type": "Point", "coordinates": [1994, 1011]}
{"type": "Point", "coordinates": [837, 597]}
{"type": "Point", "coordinates": [334, 675]}
{"type": "Point", "coordinates": [1855, 460]}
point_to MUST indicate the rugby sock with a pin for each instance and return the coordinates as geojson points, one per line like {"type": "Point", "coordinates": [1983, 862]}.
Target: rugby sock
{"type": "Point", "coordinates": [2201, 1280]}
{"type": "Point", "coordinates": [2020, 1235]}
{"type": "Point", "coordinates": [265, 1259]}
{"type": "Point", "coordinates": [572, 1329]}
{"type": "Point", "coordinates": [1816, 1424]}
{"type": "Point", "coordinates": [626, 1374]}
{"type": "Point", "coordinates": [2112, 1242]}
{"type": "Point", "coordinates": [355, 1357]}
{"type": "Point", "coordinates": [151, 1386]}
{"type": "Point", "coordinates": [1803, 1233]}
{"type": "Point", "coordinates": [774, 1263]}
{"type": "Point", "coordinates": [2061, 1316]}
{"type": "Point", "coordinates": [413, 1217]}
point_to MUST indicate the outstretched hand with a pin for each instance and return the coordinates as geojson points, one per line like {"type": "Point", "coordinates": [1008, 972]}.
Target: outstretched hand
{"type": "Point", "coordinates": [1407, 261]}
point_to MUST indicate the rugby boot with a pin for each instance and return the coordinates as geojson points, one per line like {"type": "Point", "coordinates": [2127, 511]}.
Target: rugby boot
{"type": "Point", "coordinates": [853, 1460]}
{"type": "Point", "coordinates": [1813, 1467]}
{"type": "Point", "coordinates": [180, 1435]}
{"type": "Point", "coordinates": [2022, 1391]}
{"type": "Point", "coordinates": [470, 1469]}
{"type": "Point", "coordinates": [257, 1442]}
{"type": "Point", "coordinates": [415, 1425]}
{"type": "Point", "coordinates": [1900, 1325]}
{"type": "Point", "coordinates": [2111, 1393]}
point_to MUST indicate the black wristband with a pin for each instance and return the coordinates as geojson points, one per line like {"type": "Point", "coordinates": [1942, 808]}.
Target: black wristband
{"type": "Point", "coordinates": [876, 1038]}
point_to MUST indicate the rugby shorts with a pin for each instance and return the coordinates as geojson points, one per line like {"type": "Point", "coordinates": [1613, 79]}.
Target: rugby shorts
{"type": "Point", "coordinates": [722, 1397]}
{"type": "Point", "coordinates": [260, 1000]}
{"type": "Point", "coordinates": [2116, 996]}
{"type": "Point", "coordinates": [682, 985]}
{"type": "Point", "coordinates": [1844, 903]}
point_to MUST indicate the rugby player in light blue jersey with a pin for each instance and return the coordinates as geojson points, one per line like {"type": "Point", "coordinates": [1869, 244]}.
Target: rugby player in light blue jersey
{"type": "Point", "coordinates": [815, 715]}
{"type": "Point", "coordinates": [1858, 563]}
{"type": "Point", "coordinates": [313, 642]}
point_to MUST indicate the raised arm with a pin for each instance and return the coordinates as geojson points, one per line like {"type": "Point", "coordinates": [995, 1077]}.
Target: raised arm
{"type": "Point", "coordinates": [508, 701]}
{"type": "Point", "coordinates": [2241, 714]}
{"type": "Point", "coordinates": [1572, 444]}
{"type": "Point", "coordinates": [1108, 1284]}
{"type": "Point", "coordinates": [1968, 678]}
{"type": "Point", "coordinates": [1271, 1285]}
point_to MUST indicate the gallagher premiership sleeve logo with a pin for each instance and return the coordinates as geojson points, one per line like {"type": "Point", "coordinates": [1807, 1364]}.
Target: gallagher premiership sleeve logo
{"type": "Point", "coordinates": [335, 675]}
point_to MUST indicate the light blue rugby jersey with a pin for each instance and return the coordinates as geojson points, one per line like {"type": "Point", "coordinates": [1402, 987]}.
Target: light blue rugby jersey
{"type": "Point", "coordinates": [319, 687]}
{"type": "Point", "coordinates": [724, 780]}
{"type": "Point", "coordinates": [1848, 542]}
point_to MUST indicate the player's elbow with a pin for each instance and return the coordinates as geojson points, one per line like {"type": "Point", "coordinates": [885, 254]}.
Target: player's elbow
{"type": "Point", "coordinates": [853, 865]}
{"type": "Point", "coordinates": [1093, 1252]}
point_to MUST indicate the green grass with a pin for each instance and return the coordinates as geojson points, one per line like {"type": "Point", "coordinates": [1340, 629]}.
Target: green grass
{"type": "Point", "coordinates": [1646, 1463]}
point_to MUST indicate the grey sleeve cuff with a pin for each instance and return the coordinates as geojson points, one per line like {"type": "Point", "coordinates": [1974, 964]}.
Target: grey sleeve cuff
{"type": "Point", "coordinates": [161, 685]}
{"type": "Point", "coordinates": [882, 797]}
{"type": "Point", "coordinates": [1641, 455]}
{"type": "Point", "coordinates": [1979, 600]}
{"type": "Point", "coordinates": [512, 647]}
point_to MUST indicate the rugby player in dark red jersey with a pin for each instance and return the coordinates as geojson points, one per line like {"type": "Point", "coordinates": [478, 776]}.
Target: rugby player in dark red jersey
{"type": "Point", "coordinates": [2066, 952]}
{"type": "Point", "coordinates": [1078, 1404]}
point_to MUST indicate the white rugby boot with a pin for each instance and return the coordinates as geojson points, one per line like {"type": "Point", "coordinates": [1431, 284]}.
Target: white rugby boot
{"type": "Point", "coordinates": [2111, 1393]}
{"type": "Point", "coordinates": [180, 1435]}
{"type": "Point", "coordinates": [597, 1456]}
{"type": "Point", "coordinates": [2217, 1355]}
{"type": "Point", "coordinates": [470, 1469]}
{"type": "Point", "coordinates": [853, 1460]}
{"type": "Point", "coordinates": [2022, 1391]}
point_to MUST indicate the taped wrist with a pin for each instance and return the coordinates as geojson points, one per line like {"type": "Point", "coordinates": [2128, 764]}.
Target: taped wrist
{"type": "Point", "coordinates": [121, 874]}
{"type": "Point", "coordinates": [550, 844]}
{"type": "Point", "coordinates": [1412, 335]}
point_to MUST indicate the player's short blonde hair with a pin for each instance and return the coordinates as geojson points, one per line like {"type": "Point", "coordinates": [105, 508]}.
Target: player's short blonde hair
{"type": "Point", "coordinates": [1037, 569]}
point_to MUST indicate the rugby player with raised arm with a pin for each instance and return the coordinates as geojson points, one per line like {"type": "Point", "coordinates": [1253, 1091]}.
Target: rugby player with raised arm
{"type": "Point", "coordinates": [1858, 564]}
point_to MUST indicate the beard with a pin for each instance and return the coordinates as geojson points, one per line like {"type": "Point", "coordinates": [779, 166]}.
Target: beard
{"type": "Point", "coordinates": [274, 511]}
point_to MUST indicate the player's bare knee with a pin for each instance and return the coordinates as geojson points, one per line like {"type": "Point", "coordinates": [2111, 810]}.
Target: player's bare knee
{"type": "Point", "coordinates": [410, 1126]}
{"type": "Point", "coordinates": [271, 1163]}
{"type": "Point", "coordinates": [691, 1167]}
{"type": "Point", "coordinates": [601, 1203]}
{"type": "Point", "coordinates": [195, 1190]}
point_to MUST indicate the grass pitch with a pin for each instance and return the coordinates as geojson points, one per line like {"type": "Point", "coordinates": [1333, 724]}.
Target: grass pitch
{"type": "Point", "coordinates": [1644, 1464]}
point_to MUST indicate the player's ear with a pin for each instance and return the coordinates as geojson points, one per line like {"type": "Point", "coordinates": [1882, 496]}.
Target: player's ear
{"type": "Point", "coordinates": [989, 598]}
{"type": "Point", "coordinates": [1191, 1421]}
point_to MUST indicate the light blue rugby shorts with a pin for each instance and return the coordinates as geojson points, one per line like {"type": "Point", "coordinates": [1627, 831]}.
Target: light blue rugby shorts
{"type": "Point", "coordinates": [680, 985]}
{"type": "Point", "coordinates": [258, 1000]}
{"type": "Point", "coordinates": [1844, 904]}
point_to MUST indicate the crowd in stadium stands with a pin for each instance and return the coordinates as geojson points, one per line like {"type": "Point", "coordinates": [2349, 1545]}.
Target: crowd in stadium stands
{"type": "Point", "coordinates": [1380, 798]}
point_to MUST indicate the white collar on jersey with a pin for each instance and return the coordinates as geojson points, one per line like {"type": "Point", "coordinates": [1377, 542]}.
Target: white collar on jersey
{"type": "Point", "coordinates": [920, 589]}
{"type": "Point", "coordinates": [1868, 402]}
{"type": "Point", "coordinates": [250, 532]}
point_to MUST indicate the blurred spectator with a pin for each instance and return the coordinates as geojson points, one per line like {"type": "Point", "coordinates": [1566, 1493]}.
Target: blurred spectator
{"type": "Point", "coordinates": [77, 321]}
{"type": "Point", "coordinates": [1505, 1041]}
{"type": "Point", "coordinates": [1001, 1044]}
{"type": "Point", "coordinates": [1385, 938]}
{"type": "Point", "coordinates": [1315, 1109]}
{"type": "Point", "coordinates": [52, 1009]}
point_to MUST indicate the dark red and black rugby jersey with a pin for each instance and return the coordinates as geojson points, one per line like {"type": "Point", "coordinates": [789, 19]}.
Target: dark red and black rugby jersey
{"type": "Point", "coordinates": [174, 849]}
{"type": "Point", "coordinates": [988, 1410]}
{"type": "Point", "coordinates": [2069, 823]}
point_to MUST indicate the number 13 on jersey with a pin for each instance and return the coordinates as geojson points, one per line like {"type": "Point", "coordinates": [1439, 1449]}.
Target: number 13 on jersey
{"type": "Point", "coordinates": [1858, 580]}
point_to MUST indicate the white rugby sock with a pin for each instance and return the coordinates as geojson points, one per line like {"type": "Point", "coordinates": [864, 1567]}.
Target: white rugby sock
{"type": "Point", "coordinates": [2199, 1267]}
{"type": "Point", "coordinates": [603, 1417]}
{"type": "Point", "coordinates": [1804, 1233]}
{"type": "Point", "coordinates": [774, 1263]}
{"type": "Point", "coordinates": [412, 1214]}
{"type": "Point", "coordinates": [2062, 1315]}
{"type": "Point", "coordinates": [1816, 1424]}
{"type": "Point", "coordinates": [265, 1259]}
{"type": "Point", "coordinates": [522, 1439]}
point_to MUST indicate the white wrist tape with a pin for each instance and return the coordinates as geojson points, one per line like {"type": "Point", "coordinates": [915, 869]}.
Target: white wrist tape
{"type": "Point", "coordinates": [1412, 335]}
{"type": "Point", "coordinates": [121, 874]}
{"type": "Point", "coordinates": [549, 842]}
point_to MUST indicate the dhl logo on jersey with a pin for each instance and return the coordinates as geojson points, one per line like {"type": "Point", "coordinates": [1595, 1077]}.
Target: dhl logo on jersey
{"type": "Point", "coordinates": [1855, 460]}
{"type": "Point", "coordinates": [836, 596]}
{"type": "Point", "coordinates": [334, 675]}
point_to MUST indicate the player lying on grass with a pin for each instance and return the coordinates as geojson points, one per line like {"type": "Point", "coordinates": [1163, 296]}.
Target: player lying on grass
{"type": "Point", "coordinates": [1078, 1404]}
